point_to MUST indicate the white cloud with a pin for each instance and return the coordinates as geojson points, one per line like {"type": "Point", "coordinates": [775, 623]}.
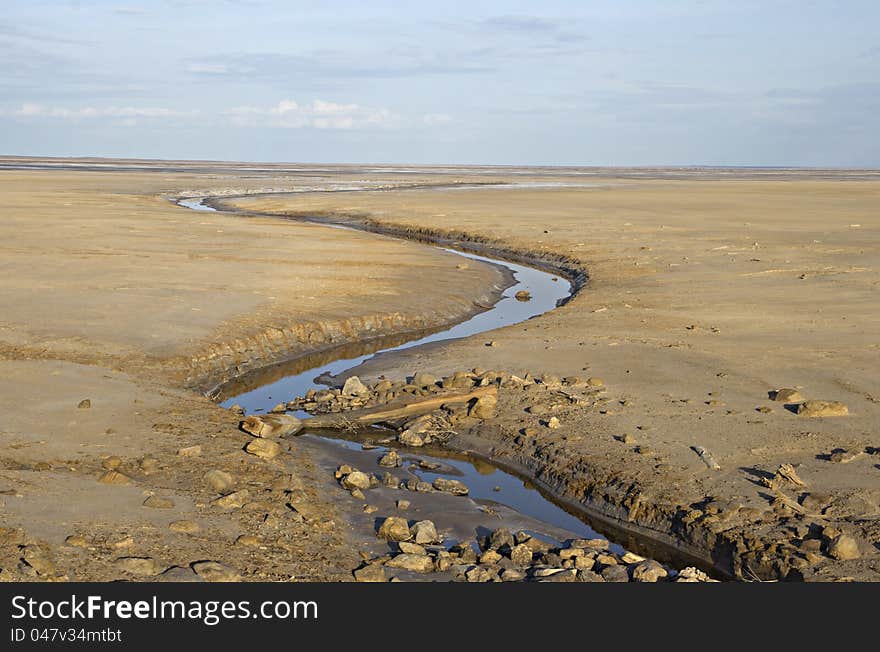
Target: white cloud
{"type": "Point", "coordinates": [32, 110]}
{"type": "Point", "coordinates": [432, 119]}
{"type": "Point", "coordinates": [207, 68]}
{"type": "Point", "coordinates": [319, 114]}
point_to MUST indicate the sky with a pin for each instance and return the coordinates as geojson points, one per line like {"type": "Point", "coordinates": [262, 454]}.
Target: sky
{"type": "Point", "coordinates": [636, 82]}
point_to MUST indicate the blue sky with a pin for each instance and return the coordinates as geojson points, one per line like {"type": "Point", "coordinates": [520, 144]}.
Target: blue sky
{"type": "Point", "coordinates": [716, 82]}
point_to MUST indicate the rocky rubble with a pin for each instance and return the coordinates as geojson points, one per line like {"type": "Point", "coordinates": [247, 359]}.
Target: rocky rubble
{"type": "Point", "coordinates": [506, 557]}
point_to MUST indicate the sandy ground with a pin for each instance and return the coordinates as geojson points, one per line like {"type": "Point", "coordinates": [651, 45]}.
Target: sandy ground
{"type": "Point", "coordinates": [705, 294]}
{"type": "Point", "coordinates": [108, 292]}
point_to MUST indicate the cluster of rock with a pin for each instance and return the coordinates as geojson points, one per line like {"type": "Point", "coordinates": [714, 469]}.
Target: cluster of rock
{"type": "Point", "coordinates": [506, 557]}
{"type": "Point", "coordinates": [808, 408]}
{"type": "Point", "coordinates": [356, 482]}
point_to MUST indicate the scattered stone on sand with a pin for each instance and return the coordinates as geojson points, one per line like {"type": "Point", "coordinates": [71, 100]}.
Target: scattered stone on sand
{"type": "Point", "coordinates": [402, 505]}
{"type": "Point", "coordinates": [234, 500]}
{"type": "Point", "coordinates": [263, 448]}
{"type": "Point", "coordinates": [786, 395]}
{"type": "Point", "coordinates": [84, 404]}
{"type": "Point", "coordinates": [410, 562]}
{"type": "Point", "coordinates": [390, 459]}
{"type": "Point", "coordinates": [220, 481]}
{"type": "Point", "coordinates": [844, 547]}
{"type": "Point", "coordinates": [483, 407]}
{"type": "Point", "coordinates": [424, 532]}
{"type": "Point", "coordinates": [114, 477]}
{"type": "Point", "coordinates": [214, 571]}
{"type": "Point", "coordinates": [553, 423]}
{"type": "Point", "coordinates": [523, 295]}
{"type": "Point", "coordinates": [822, 409]}
{"type": "Point", "coordinates": [394, 528]}
{"type": "Point", "coordinates": [184, 527]}
{"type": "Point", "coordinates": [190, 451]}
{"type": "Point", "coordinates": [354, 387]}
{"type": "Point", "coordinates": [370, 573]}
{"type": "Point", "coordinates": [158, 502]}
{"type": "Point", "coordinates": [456, 487]}
{"type": "Point", "coordinates": [142, 566]}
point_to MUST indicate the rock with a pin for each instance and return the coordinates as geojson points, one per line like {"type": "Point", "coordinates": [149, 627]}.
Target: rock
{"type": "Point", "coordinates": [410, 438]}
{"type": "Point", "coordinates": [370, 509]}
{"type": "Point", "coordinates": [512, 575]}
{"type": "Point", "coordinates": [490, 557]}
{"type": "Point", "coordinates": [178, 574]}
{"type": "Point", "coordinates": [111, 463]}
{"type": "Point", "coordinates": [449, 486]}
{"type": "Point", "coordinates": [844, 547]}
{"type": "Point", "coordinates": [236, 409]}
{"type": "Point", "coordinates": [491, 343]}
{"type": "Point", "coordinates": [114, 477]}
{"type": "Point", "coordinates": [234, 500]}
{"type": "Point", "coordinates": [763, 409]}
{"type": "Point", "coordinates": [815, 502]}
{"type": "Point", "coordinates": [553, 423]}
{"type": "Point", "coordinates": [271, 425]}
{"type": "Point", "coordinates": [390, 459]}
{"type": "Point", "coordinates": [523, 295]}
{"type": "Point", "coordinates": [390, 480]}
{"type": "Point", "coordinates": [587, 575]}
{"type": "Point", "coordinates": [356, 480]}
{"type": "Point", "coordinates": [567, 575]}
{"type": "Point", "coordinates": [631, 558]}
{"type": "Point", "coordinates": [214, 571]}
{"type": "Point", "coordinates": [38, 560]}
{"type": "Point", "coordinates": [281, 408]}
{"type": "Point", "coordinates": [220, 481]}
{"type": "Point", "coordinates": [411, 548]}
{"type": "Point", "coordinates": [84, 404]}
{"type": "Point", "coordinates": [354, 387]}
{"type": "Point", "coordinates": [358, 494]}
{"type": "Point", "coordinates": [425, 532]}
{"type": "Point", "coordinates": [370, 573]}
{"type": "Point", "coordinates": [501, 538]}
{"type": "Point", "coordinates": [157, 502]}
{"type": "Point", "coordinates": [615, 574]}
{"type": "Point", "coordinates": [394, 528]}
{"type": "Point", "coordinates": [402, 504]}
{"type": "Point", "coordinates": [415, 563]}
{"type": "Point", "coordinates": [483, 407]}
{"type": "Point", "coordinates": [190, 451]}
{"type": "Point", "coordinates": [143, 566]}
{"type": "Point", "coordinates": [184, 527]}
{"type": "Point", "coordinates": [149, 465]}
{"type": "Point", "coordinates": [423, 380]}
{"type": "Point", "coordinates": [822, 409]}
{"type": "Point", "coordinates": [419, 486]}
{"type": "Point", "coordinates": [786, 395]}
{"type": "Point", "coordinates": [479, 574]}
{"type": "Point", "coordinates": [691, 574]}
{"type": "Point", "coordinates": [648, 571]}
{"type": "Point", "coordinates": [546, 571]}
{"type": "Point", "coordinates": [247, 540]}
{"type": "Point", "coordinates": [521, 555]}
{"type": "Point", "coordinates": [77, 541]}
{"type": "Point", "coordinates": [845, 456]}
{"type": "Point", "coordinates": [595, 382]}
{"type": "Point", "coordinates": [263, 448]}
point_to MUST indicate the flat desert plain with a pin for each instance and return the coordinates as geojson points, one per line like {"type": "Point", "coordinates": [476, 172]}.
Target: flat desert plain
{"type": "Point", "coordinates": [707, 291]}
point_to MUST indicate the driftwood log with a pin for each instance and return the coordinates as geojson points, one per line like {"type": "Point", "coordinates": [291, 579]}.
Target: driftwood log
{"type": "Point", "coordinates": [279, 425]}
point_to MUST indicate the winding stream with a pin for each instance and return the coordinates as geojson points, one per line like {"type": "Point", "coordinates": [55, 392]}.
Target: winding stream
{"type": "Point", "coordinates": [490, 485]}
